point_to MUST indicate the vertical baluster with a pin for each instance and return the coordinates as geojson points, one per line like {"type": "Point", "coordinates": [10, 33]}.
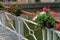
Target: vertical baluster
{"type": "Point", "coordinates": [44, 34]}
{"type": "Point", "coordinates": [3, 18]}
{"type": "Point", "coordinates": [49, 37]}
{"type": "Point", "coordinates": [19, 25]}
{"type": "Point", "coordinates": [15, 24]}
{"type": "Point", "coordinates": [54, 36]}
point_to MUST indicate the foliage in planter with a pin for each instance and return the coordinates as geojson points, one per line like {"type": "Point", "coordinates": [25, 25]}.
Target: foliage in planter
{"type": "Point", "coordinates": [1, 6]}
{"type": "Point", "coordinates": [45, 19]}
{"type": "Point", "coordinates": [17, 10]}
{"type": "Point", "coordinates": [14, 9]}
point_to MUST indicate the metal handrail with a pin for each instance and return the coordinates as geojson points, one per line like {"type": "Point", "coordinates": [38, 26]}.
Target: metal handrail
{"type": "Point", "coordinates": [54, 30]}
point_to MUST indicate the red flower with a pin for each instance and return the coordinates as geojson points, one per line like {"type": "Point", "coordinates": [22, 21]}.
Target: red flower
{"type": "Point", "coordinates": [57, 26]}
{"type": "Point", "coordinates": [32, 13]}
{"type": "Point", "coordinates": [44, 9]}
{"type": "Point", "coordinates": [48, 10]}
{"type": "Point", "coordinates": [54, 14]}
{"type": "Point", "coordinates": [37, 13]}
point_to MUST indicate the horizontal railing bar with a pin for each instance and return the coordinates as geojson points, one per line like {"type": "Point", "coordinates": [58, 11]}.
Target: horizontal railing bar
{"type": "Point", "coordinates": [28, 21]}
{"type": "Point", "coordinates": [23, 19]}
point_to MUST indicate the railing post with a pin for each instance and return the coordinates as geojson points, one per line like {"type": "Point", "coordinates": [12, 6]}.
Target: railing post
{"type": "Point", "coordinates": [54, 36]}
{"type": "Point", "coordinates": [44, 34]}
{"type": "Point", "coordinates": [49, 36]}
{"type": "Point", "coordinates": [19, 25]}
{"type": "Point", "coordinates": [2, 17]}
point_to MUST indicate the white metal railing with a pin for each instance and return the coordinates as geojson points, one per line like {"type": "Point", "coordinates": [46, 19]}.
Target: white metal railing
{"type": "Point", "coordinates": [20, 36]}
{"type": "Point", "coordinates": [30, 30]}
{"type": "Point", "coordinates": [55, 32]}
{"type": "Point", "coordinates": [2, 23]}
